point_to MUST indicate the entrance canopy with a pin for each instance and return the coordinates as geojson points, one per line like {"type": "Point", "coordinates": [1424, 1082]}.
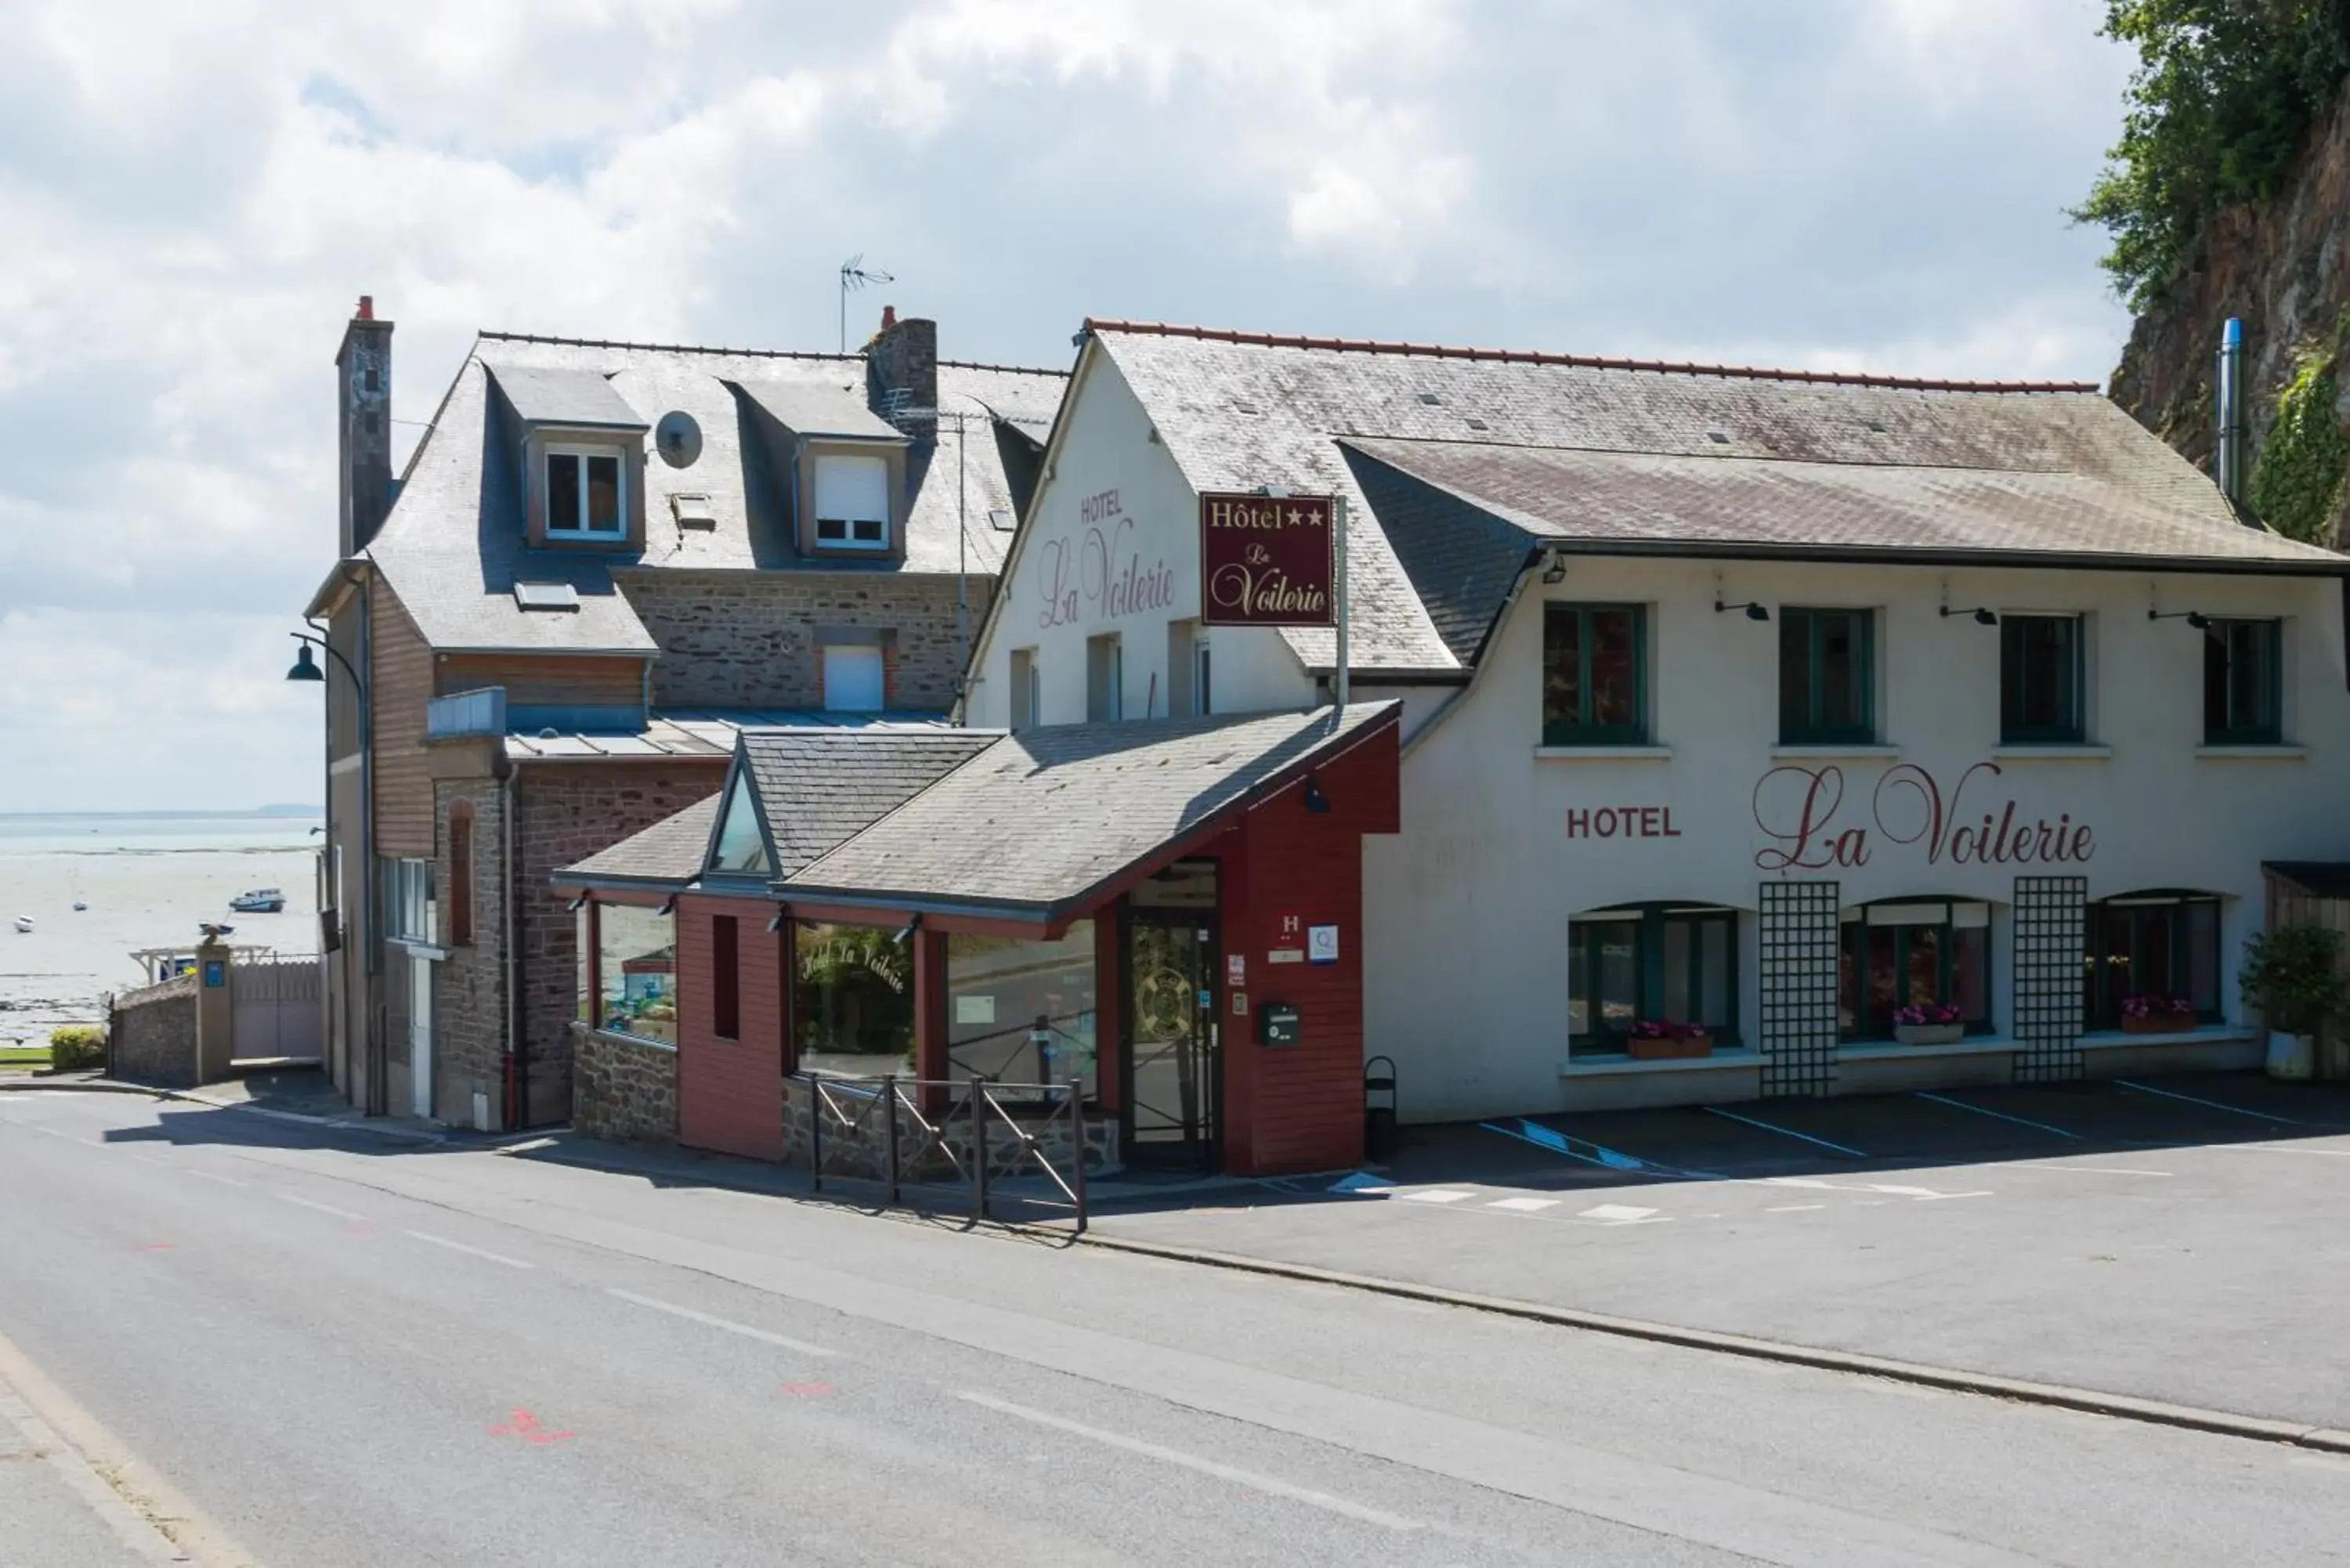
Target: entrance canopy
{"type": "Point", "coordinates": [1032, 827]}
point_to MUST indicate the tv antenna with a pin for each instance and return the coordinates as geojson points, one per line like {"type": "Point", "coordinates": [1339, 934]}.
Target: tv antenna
{"type": "Point", "coordinates": [854, 276]}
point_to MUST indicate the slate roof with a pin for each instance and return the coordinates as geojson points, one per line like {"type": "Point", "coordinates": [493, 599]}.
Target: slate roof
{"type": "Point", "coordinates": [541, 395]}
{"type": "Point", "coordinates": [821, 408]}
{"type": "Point", "coordinates": [1042, 816]}
{"type": "Point", "coordinates": [668, 852]}
{"type": "Point", "coordinates": [819, 787]}
{"type": "Point", "coordinates": [1618, 451]}
{"type": "Point", "coordinates": [703, 733]}
{"type": "Point", "coordinates": [452, 547]}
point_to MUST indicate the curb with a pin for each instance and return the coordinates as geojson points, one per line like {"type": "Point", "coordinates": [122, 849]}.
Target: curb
{"type": "Point", "coordinates": [28, 1083]}
{"type": "Point", "coordinates": [2124, 1406]}
{"type": "Point", "coordinates": [186, 1097]}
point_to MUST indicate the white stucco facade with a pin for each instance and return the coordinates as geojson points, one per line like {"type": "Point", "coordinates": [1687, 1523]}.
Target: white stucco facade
{"type": "Point", "coordinates": [1468, 910]}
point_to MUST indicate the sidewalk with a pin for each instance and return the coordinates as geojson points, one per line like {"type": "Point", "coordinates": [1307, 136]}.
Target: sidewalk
{"type": "Point", "coordinates": [56, 1511]}
{"type": "Point", "coordinates": [299, 1093]}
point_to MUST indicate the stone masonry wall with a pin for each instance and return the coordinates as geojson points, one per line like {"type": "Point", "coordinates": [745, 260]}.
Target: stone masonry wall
{"type": "Point", "coordinates": [469, 998]}
{"type": "Point", "coordinates": [749, 639]}
{"type": "Point", "coordinates": [564, 812]}
{"type": "Point", "coordinates": [151, 1034]}
{"type": "Point", "coordinates": [623, 1089]}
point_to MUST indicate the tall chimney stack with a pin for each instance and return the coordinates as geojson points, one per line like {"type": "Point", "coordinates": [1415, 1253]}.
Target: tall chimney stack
{"type": "Point", "coordinates": [901, 371]}
{"type": "Point", "coordinates": [363, 442]}
{"type": "Point", "coordinates": [2228, 457]}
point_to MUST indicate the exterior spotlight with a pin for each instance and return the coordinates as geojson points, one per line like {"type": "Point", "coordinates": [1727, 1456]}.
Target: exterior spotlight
{"type": "Point", "coordinates": [2195, 618]}
{"type": "Point", "coordinates": [1316, 801]}
{"type": "Point", "coordinates": [906, 933]}
{"type": "Point", "coordinates": [1754, 611]}
{"type": "Point", "coordinates": [1555, 573]}
{"type": "Point", "coordinates": [1982, 617]}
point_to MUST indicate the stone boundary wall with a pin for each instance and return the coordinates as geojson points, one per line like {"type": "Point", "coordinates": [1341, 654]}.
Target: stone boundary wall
{"type": "Point", "coordinates": [623, 1089]}
{"type": "Point", "coordinates": [861, 1153]}
{"type": "Point", "coordinates": [151, 1035]}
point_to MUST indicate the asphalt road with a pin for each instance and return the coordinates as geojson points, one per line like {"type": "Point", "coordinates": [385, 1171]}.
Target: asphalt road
{"type": "Point", "coordinates": [2167, 1240]}
{"type": "Point", "coordinates": [340, 1351]}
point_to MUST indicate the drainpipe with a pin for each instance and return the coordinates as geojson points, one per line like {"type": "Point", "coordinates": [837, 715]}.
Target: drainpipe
{"type": "Point", "coordinates": [378, 1077]}
{"type": "Point", "coordinates": [502, 770]}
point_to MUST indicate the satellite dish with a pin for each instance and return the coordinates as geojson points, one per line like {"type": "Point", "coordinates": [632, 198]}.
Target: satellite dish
{"type": "Point", "coordinates": [678, 438]}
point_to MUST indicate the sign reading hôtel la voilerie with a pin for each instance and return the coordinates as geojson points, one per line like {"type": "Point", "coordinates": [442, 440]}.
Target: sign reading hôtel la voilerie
{"type": "Point", "coordinates": [1265, 560]}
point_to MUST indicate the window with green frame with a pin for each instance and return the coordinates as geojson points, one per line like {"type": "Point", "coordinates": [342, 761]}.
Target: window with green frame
{"type": "Point", "coordinates": [2040, 683]}
{"type": "Point", "coordinates": [1673, 963]}
{"type": "Point", "coordinates": [1595, 675]}
{"type": "Point", "coordinates": [2162, 944]}
{"type": "Point", "coordinates": [1827, 676]}
{"type": "Point", "coordinates": [2243, 683]}
{"type": "Point", "coordinates": [1906, 952]}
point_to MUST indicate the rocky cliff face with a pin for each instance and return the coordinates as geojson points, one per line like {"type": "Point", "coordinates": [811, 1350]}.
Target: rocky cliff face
{"type": "Point", "coordinates": [2283, 266]}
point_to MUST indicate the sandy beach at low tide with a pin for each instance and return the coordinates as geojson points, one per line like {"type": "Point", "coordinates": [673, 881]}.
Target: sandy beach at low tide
{"type": "Point", "coordinates": [147, 883]}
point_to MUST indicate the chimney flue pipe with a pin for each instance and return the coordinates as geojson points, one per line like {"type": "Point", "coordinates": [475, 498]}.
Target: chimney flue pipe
{"type": "Point", "coordinates": [2228, 457]}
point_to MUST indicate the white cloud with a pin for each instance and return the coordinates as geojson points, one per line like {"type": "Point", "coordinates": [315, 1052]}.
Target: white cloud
{"type": "Point", "coordinates": [194, 195]}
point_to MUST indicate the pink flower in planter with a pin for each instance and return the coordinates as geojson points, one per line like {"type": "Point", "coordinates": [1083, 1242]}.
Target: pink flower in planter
{"type": "Point", "coordinates": [1926, 1014]}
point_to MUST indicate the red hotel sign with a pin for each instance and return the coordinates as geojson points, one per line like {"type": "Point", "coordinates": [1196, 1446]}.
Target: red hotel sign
{"type": "Point", "coordinates": [1265, 560]}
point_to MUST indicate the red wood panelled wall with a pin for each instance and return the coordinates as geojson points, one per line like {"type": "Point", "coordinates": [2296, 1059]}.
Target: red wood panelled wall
{"type": "Point", "coordinates": [730, 1094]}
{"type": "Point", "coordinates": [1290, 1108]}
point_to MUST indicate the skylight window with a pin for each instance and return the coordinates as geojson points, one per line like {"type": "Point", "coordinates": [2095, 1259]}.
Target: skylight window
{"type": "Point", "coordinates": [546, 596]}
{"type": "Point", "coordinates": [1432, 399]}
{"type": "Point", "coordinates": [1000, 518]}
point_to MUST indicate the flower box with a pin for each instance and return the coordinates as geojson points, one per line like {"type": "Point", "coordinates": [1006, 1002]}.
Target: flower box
{"type": "Point", "coordinates": [2158, 1024]}
{"type": "Point", "coordinates": [1668, 1047]}
{"type": "Point", "coordinates": [1930, 1033]}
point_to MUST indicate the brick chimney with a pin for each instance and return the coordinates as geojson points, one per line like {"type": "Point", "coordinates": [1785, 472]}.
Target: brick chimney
{"type": "Point", "coordinates": [363, 418]}
{"type": "Point", "coordinates": [901, 371]}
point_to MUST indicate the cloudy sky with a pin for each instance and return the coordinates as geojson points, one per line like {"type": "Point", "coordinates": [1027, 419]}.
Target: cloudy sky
{"type": "Point", "coordinates": [192, 198]}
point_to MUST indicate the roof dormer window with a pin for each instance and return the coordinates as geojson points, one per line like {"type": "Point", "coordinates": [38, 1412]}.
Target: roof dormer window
{"type": "Point", "coordinates": [852, 502]}
{"type": "Point", "coordinates": [586, 494]}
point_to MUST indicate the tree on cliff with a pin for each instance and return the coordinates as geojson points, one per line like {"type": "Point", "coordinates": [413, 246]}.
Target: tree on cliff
{"type": "Point", "coordinates": [2223, 99]}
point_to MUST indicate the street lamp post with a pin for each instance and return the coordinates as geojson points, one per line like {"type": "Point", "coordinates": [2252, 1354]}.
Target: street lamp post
{"type": "Point", "coordinates": [307, 668]}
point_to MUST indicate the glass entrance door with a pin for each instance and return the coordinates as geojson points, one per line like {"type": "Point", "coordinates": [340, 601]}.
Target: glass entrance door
{"type": "Point", "coordinates": [1173, 1087]}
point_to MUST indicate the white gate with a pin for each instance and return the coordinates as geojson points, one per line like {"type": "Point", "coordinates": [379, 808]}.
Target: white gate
{"type": "Point", "coordinates": [279, 1008]}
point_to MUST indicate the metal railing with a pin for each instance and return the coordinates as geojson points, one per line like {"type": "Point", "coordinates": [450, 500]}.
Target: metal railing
{"type": "Point", "coordinates": [942, 1136]}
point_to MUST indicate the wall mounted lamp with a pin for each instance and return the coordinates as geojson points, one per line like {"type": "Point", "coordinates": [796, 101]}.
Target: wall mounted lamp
{"type": "Point", "coordinates": [1754, 611]}
{"type": "Point", "coordinates": [2195, 618]}
{"type": "Point", "coordinates": [1556, 572]}
{"type": "Point", "coordinates": [1316, 801]}
{"type": "Point", "coordinates": [906, 933]}
{"type": "Point", "coordinates": [577, 905]}
{"type": "Point", "coordinates": [1982, 615]}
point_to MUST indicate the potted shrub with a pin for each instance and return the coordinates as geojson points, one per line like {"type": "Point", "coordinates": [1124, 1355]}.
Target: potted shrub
{"type": "Point", "coordinates": [2156, 1014]}
{"type": "Point", "coordinates": [2293, 975]}
{"type": "Point", "coordinates": [1927, 1024]}
{"type": "Point", "coordinates": [1654, 1040]}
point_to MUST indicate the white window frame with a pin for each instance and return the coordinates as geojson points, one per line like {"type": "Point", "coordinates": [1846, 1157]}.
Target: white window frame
{"type": "Point", "coordinates": [579, 454]}
{"type": "Point", "coordinates": [848, 541]}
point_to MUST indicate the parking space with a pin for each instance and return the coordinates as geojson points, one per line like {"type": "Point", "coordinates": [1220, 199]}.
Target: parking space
{"type": "Point", "coordinates": [2160, 1239]}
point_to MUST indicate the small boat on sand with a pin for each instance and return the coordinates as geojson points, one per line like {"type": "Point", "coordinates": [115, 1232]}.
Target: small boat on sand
{"type": "Point", "coordinates": [259, 901]}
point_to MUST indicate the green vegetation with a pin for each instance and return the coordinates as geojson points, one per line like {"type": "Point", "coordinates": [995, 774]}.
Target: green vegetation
{"type": "Point", "coordinates": [77, 1047]}
{"type": "Point", "coordinates": [21, 1057]}
{"type": "Point", "coordinates": [2301, 465]}
{"type": "Point", "coordinates": [2223, 96]}
{"type": "Point", "coordinates": [2293, 974]}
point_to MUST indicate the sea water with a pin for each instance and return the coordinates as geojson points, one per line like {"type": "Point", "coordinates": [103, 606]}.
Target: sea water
{"type": "Point", "coordinates": [149, 882]}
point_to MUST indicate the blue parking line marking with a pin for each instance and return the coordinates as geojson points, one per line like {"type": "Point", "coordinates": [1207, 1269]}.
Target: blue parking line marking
{"type": "Point", "coordinates": [1606, 1159]}
{"type": "Point", "coordinates": [1785, 1132]}
{"type": "Point", "coordinates": [2000, 1116]}
{"type": "Point", "coordinates": [2197, 1100]}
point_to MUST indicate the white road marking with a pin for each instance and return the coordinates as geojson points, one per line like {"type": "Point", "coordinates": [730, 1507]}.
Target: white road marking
{"type": "Point", "coordinates": [2275, 1149]}
{"type": "Point", "coordinates": [1785, 1132]}
{"type": "Point", "coordinates": [214, 1175]}
{"type": "Point", "coordinates": [1436, 1195]}
{"type": "Point", "coordinates": [1793, 1208]}
{"type": "Point", "coordinates": [1523, 1205]}
{"type": "Point", "coordinates": [1617, 1214]}
{"type": "Point", "coordinates": [704, 1318]}
{"type": "Point", "coordinates": [470, 1251]}
{"type": "Point", "coordinates": [1249, 1479]}
{"type": "Point", "coordinates": [2199, 1100]}
{"type": "Point", "coordinates": [2083, 1170]}
{"type": "Point", "coordinates": [1996, 1116]}
{"type": "Point", "coordinates": [324, 1207]}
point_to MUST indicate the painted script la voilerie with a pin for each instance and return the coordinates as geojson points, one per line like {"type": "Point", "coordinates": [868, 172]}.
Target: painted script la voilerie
{"type": "Point", "coordinates": [1804, 812]}
{"type": "Point", "coordinates": [1098, 572]}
